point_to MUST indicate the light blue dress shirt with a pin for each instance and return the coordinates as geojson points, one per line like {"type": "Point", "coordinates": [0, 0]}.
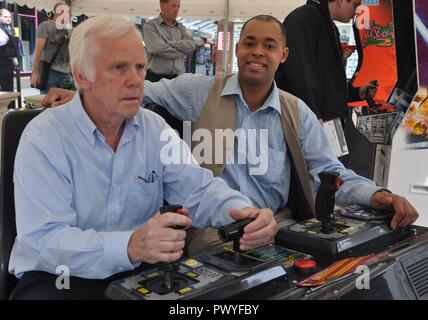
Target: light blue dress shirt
{"type": "Point", "coordinates": [77, 201]}
{"type": "Point", "coordinates": [185, 97]}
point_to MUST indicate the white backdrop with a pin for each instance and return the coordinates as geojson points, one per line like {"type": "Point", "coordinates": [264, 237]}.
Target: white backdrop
{"type": "Point", "coordinates": [200, 9]}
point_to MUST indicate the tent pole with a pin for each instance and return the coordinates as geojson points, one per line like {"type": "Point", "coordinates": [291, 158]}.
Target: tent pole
{"type": "Point", "coordinates": [226, 25]}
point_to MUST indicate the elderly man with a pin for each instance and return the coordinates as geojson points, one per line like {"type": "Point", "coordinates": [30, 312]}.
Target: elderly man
{"type": "Point", "coordinates": [296, 149]}
{"type": "Point", "coordinates": [89, 199]}
{"type": "Point", "coordinates": [8, 51]}
{"type": "Point", "coordinates": [166, 43]}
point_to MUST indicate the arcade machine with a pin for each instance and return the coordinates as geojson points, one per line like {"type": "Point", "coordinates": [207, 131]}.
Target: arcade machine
{"type": "Point", "coordinates": [312, 259]}
{"type": "Point", "coordinates": [219, 274]}
{"type": "Point", "coordinates": [408, 173]}
{"type": "Point", "coordinates": [389, 57]}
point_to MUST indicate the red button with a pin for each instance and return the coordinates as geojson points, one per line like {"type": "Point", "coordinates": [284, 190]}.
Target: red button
{"type": "Point", "coordinates": [305, 264]}
{"type": "Point", "coordinates": [180, 211]}
{"type": "Point", "coordinates": [337, 183]}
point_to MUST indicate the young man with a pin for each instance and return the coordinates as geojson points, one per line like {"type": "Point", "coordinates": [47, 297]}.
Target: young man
{"type": "Point", "coordinates": [90, 197]}
{"type": "Point", "coordinates": [52, 47]}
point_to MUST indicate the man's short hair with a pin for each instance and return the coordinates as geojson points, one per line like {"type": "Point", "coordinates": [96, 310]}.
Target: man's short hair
{"type": "Point", "coordinates": [266, 18]}
{"type": "Point", "coordinates": [59, 3]}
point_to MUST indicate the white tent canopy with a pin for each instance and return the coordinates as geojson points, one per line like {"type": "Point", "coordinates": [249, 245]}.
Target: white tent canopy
{"type": "Point", "coordinates": [200, 9]}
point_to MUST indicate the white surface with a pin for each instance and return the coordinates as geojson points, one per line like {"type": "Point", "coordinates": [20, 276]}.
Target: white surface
{"type": "Point", "coordinates": [213, 9]}
{"type": "Point", "coordinates": [408, 175]}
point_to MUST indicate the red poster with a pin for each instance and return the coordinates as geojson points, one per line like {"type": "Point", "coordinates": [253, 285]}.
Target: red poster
{"type": "Point", "coordinates": [379, 54]}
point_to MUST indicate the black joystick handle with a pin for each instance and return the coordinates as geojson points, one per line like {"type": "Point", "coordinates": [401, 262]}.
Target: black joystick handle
{"type": "Point", "coordinates": [369, 99]}
{"type": "Point", "coordinates": [325, 199]}
{"type": "Point", "coordinates": [171, 267]}
{"type": "Point", "coordinates": [233, 232]}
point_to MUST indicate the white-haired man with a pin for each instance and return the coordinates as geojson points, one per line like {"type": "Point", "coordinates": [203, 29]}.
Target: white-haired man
{"type": "Point", "coordinates": [88, 200]}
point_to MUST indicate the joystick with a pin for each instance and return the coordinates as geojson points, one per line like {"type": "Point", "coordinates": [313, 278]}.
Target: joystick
{"type": "Point", "coordinates": [170, 268]}
{"type": "Point", "coordinates": [325, 199]}
{"type": "Point", "coordinates": [233, 232]}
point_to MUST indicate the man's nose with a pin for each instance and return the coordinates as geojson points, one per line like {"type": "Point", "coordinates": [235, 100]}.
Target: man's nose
{"type": "Point", "coordinates": [135, 77]}
{"type": "Point", "coordinates": [258, 50]}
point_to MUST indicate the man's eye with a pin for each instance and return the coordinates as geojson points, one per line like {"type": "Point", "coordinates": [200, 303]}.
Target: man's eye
{"type": "Point", "coordinates": [120, 67]}
{"type": "Point", "coordinates": [140, 67]}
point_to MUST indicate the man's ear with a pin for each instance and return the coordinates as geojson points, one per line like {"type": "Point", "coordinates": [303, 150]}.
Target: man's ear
{"type": "Point", "coordinates": [236, 47]}
{"type": "Point", "coordinates": [284, 54]}
{"type": "Point", "coordinates": [81, 79]}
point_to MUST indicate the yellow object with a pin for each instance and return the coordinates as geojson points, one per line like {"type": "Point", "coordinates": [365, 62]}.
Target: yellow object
{"type": "Point", "coordinates": [420, 129]}
{"type": "Point", "coordinates": [185, 290]}
{"type": "Point", "coordinates": [191, 274]}
{"type": "Point", "coordinates": [143, 290]}
{"type": "Point", "coordinates": [17, 32]}
{"type": "Point", "coordinates": [191, 262]}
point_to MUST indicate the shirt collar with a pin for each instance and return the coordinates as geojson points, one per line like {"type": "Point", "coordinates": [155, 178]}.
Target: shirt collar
{"type": "Point", "coordinates": [233, 87]}
{"type": "Point", "coordinates": [88, 127]}
{"type": "Point", "coordinates": [162, 21]}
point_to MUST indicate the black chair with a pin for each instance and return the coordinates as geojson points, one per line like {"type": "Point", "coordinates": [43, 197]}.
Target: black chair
{"type": "Point", "coordinates": [14, 123]}
{"type": "Point", "coordinates": [173, 122]}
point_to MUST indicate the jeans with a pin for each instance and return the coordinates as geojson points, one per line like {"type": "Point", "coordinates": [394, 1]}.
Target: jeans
{"type": "Point", "coordinates": [55, 80]}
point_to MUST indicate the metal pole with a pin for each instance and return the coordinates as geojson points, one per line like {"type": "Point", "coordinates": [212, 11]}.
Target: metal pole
{"type": "Point", "coordinates": [226, 25]}
{"type": "Point", "coordinates": [18, 68]}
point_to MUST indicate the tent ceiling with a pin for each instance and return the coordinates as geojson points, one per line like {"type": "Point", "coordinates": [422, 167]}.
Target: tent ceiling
{"type": "Point", "coordinates": [201, 9]}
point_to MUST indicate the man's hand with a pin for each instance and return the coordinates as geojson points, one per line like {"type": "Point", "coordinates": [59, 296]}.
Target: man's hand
{"type": "Point", "coordinates": [15, 62]}
{"type": "Point", "coordinates": [371, 87]}
{"type": "Point", "coordinates": [347, 52]}
{"type": "Point", "coordinates": [35, 79]}
{"type": "Point", "coordinates": [259, 232]}
{"type": "Point", "coordinates": [157, 241]}
{"type": "Point", "coordinates": [57, 97]}
{"type": "Point", "coordinates": [404, 214]}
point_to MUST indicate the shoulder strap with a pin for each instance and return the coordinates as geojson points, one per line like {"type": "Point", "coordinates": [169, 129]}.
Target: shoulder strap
{"type": "Point", "coordinates": [300, 202]}
{"type": "Point", "coordinates": [58, 49]}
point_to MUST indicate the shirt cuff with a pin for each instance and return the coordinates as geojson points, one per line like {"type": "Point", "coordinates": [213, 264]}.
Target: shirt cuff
{"type": "Point", "coordinates": [116, 250]}
{"type": "Point", "coordinates": [368, 193]}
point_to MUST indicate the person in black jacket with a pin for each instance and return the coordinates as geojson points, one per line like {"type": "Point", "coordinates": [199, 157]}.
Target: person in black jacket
{"type": "Point", "coordinates": [8, 51]}
{"type": "Point", "coordinates": [315, 69]}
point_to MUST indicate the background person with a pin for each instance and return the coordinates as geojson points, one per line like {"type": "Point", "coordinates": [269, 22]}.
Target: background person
{"type": "Point", "coordinates": [52, 47]}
